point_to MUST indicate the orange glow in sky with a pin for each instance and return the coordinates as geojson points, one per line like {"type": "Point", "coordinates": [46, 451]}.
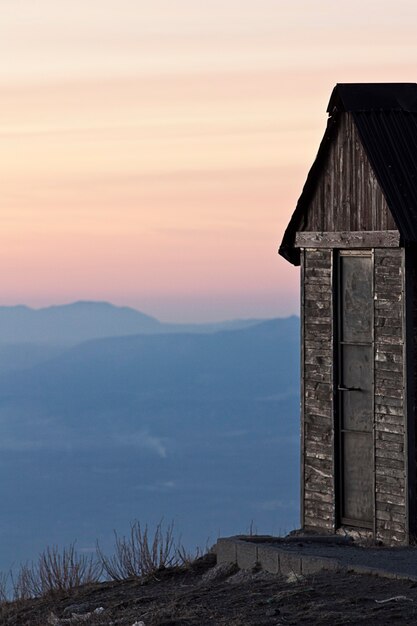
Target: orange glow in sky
{"type": "Point", "coordinates": [151, 153]}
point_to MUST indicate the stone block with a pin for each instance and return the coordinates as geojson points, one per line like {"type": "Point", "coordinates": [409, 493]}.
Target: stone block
{"type": "Point", "coordinates": [268, 559]}
{"type": "Point", "coordinates": [247, 554]}
{"type": "Point", "coordinates": [226, 551]}
{"type": "Point", "coordinates": [289, 563]}
{"type": "Point", "coordinates": [314, 564]}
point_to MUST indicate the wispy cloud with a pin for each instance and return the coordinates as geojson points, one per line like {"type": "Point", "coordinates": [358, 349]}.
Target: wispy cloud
{"type": "Point", "coordinates": [203, 92]}
{"type": "Point", "coordinates": [143, 440]}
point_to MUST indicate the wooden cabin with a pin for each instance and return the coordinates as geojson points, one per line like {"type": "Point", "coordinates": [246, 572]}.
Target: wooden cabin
{"type": "Point", "coordinates": [354, 234]}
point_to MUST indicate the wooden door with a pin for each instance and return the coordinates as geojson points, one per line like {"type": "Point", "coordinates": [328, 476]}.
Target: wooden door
{"type": "Point", "coordinates": [355, 390]}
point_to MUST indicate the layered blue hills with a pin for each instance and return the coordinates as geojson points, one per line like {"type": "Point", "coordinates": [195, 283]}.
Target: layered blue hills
{"type": "Point", "coordinates": [70, 324]}
{"type": "Point", "coordinates": [198, 427]}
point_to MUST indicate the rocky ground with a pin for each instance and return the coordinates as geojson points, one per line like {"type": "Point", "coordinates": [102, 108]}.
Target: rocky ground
{"type": "Point", "coordinates": [204, 594]}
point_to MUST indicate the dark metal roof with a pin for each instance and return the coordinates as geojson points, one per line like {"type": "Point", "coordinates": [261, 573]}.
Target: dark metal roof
{"type": "Point", "coordinates": [385, 115]}
{"type": "Point", "coordinates": [374, 97]}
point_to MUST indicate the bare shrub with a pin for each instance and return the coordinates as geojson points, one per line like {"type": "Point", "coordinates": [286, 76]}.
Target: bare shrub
{"type": "Point", "coordinates": [22, 583]}
{"type": "Point", "coordinates": [4, 584]}
{"type": "Point", "coordinates": [55, 571]}
{"type": "Point", "coordinates": [140, 554]}
{"type": "Point", "coordinates": [185, 557]}
{"type": "Point", "coordinates": [63, 571]}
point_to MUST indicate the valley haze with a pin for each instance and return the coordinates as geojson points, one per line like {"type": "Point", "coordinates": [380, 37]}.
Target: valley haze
{"type": "Point", "coordinates": [108, 415]}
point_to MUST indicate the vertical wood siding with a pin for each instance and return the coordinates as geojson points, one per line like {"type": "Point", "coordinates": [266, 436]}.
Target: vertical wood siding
{"type": "Point", "coordinates": [318, 504]}
{"type": "Point", "coordinates": [390, 407]}
{"type": "Point", "coordinates": [348, 196]}
{"type": "Point", "coordinates": [411, 385]}
{"type": "Point", "coordinates": [318, 493]}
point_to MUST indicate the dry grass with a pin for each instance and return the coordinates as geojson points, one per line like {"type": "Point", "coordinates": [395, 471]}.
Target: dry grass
{"type": "Point", "coordinates": [4, 581]}
{"type": "Point", "coordinates": [186, 557]}
{"type": "Point", "coordinates": [140, 553]}
{"type": "Point", "coordinates": [54, 572]}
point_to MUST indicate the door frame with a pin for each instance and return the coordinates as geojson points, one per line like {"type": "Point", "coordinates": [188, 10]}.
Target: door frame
{"type": "Point", "coordinates": [338, 453]}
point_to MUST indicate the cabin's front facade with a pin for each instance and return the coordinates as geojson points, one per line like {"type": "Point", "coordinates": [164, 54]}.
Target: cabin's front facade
{"type": "Point", "coordinates": [354, 233]}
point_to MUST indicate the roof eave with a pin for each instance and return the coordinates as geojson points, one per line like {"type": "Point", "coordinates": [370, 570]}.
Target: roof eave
{"type": "Point", "coordinates": [287, 248]}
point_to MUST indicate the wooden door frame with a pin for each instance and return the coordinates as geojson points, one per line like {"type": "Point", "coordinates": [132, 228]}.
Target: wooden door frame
{"type": "Point", "coordinates": [338, 458]}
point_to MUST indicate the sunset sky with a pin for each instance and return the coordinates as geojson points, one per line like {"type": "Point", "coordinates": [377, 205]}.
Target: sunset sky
{"type": "Point", "coordinates": [151, 153]}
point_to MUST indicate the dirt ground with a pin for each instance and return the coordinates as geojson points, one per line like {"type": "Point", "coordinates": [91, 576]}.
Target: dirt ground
{"type": "Point", "coordinates": [203, 594]}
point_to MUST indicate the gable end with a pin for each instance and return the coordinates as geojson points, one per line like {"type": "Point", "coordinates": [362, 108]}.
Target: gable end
{"type": "Point", "coordinates": [342, 192]}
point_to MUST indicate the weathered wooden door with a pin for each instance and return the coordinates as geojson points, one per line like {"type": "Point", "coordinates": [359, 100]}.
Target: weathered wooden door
{"type": "Point", "coordinates": [355, 389]}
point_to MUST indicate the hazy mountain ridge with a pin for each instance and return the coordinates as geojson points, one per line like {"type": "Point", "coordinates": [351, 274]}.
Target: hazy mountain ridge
{"type": "Point", "coordinates": [202, 428]}
{"type": "Point", "coordinates": [155, 371]}
{"type": "Point", "coordinates": [80, 321]}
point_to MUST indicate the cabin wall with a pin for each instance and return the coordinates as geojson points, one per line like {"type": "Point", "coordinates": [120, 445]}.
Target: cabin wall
{"type": "Point", "coordinates": [319, 464]}
{"type": "Point", "coordinates": [411, 384]}
{"type": "Point", "coordinates": [318, 492]}
{"type": "Point", "coordinates": [348, 196]}
{"type": "Point", "coordinates": [390, 402]}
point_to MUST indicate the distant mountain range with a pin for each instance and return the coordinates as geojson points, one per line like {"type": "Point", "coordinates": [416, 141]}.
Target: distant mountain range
{"type": "Point", "coordinates": [72, 323]}
{"type": "Point", "coordinates": [144, 380]}
{"type": "Point", "coordinates": [199, 427]}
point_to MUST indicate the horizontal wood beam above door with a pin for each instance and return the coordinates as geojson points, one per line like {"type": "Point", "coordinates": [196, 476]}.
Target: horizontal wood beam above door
{"type": "Point", "coordinates": [348, 239]}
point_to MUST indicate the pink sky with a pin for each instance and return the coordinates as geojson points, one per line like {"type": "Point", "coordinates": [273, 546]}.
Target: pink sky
{"type": "Point", "coordinates": [151, 153]}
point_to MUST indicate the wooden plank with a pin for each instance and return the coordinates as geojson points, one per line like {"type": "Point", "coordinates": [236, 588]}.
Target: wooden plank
{"type": "Point", "coordinates": [391, 392]}
{"type": "Point", "coordinates": [319, 453]}
{"type": "Point", "coordinates": [318, 408]}
{"type": "Point", "coordinates": [348, 239]}
{"type": "Point", "coordinates": [383, 437]}
{"type": "Point", "coordinates": [320, 318]}
{"type": "Point", "coordinates": [393, 472]}
{"type": "Point", "coordinates": [391, 537]}
{"type": "Point", "coordinates": [387, 376]}
{"type": "Point", "coordinates": [386, 400]}
{"type": "Point", "coordinates": [392, 507]}
{"type": "Point", "coordinates": [318, 309]}
{"type": "Point", "coordinates": [389, 271]}
{"type": "Point", "coordinates": [317, 389]}
{"type": "Point", "coordinates": [388, 354]}
{"type": "Point", "coordinates": [392, 526]}
{"type": "Point", "coordinates": [322, 510]}
{"type": "Point", "coordinates": [314, 447]}
{"type": "Point", "coordinates": [311, 523]}
{"type": "Point", "coordinates": [383, 254]}
{"type": "Point", "coordinates": [391, 447]}
{"type": "Point", "coordinates": [382, 499]}
{"type": "Point", "coordinates": [389, 419]}
{"type": "Point", "coordinates": [385, 462]}
{"type": "Point", "coordinates": [316, 374]}
{"type": "Point", "coordinates": [389, 484]}
{"type": "Point", "coordinates": [318, 356]}
{"type": "Point", "coordinates": [322, 349]}
{"type": "Point", "coordinates": [387, 516]}
{"type": "Point", "coordinates": [348, 195]}
{"type": "Point", "coordinates": [302, 372]}
{"type": "Point", "coordinates": [316, 254]}
{"type": "Point", "coordinates": [319, 435]}
{"type": "Point", "coordinates": [388, 491]}
{"type": "Point", "coordinates": [317, 496]}
{"type": "Point", "coordinates": [319, 291]}
{"type": "Point", "coordinates": [409, 259]}
{"type": "Point", "coordinates": [317, 466]}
